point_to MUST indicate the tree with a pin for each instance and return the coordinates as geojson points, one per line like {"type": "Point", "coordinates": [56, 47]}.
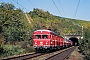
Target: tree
{"type": "Point", "coordinates": [12, 23]}
{"type": "Point", "coordinates": [7, 6]}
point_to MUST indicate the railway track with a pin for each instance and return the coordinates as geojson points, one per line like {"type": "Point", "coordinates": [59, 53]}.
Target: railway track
{"type": "Point", "coordinates": [58, 55]}
{"type": "Point", "coordinates": [62, 55]}
{"type": "Point", "coordinates": [23, 57]}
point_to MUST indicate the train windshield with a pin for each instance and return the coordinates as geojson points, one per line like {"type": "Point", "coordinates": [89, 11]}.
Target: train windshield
{"type": "Point", "coordinates": [44, 36]}
{"type": "Point", "coordinates": [41, 36]}
{"type": "Point", "coordinates": [38, 36]}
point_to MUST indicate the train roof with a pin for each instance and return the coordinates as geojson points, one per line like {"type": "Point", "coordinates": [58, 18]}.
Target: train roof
{"type": "Point", "coordinates": [47, 31]}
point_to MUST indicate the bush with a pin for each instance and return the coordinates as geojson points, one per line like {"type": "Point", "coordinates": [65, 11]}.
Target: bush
{"type": "Point", "coordinates": [27, 47]}
{"type": "Point", "coordinates": [20, 48]}
{"type": "Point", "coordinates": [10, 50]}
{"type": "Point", "coordinates": [87, 57]}
{"type": "Point", "coordinates": [23, 44]}
{"type": "Point", "coordinates": [1, 50]}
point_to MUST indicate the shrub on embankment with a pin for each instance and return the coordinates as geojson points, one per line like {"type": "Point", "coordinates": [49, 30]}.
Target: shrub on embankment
{"type": "Point", "coordinates": [20, 48]}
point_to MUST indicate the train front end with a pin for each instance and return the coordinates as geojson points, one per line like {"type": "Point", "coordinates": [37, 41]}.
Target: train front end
{"type": "Point", "coordinates": [41, 40]}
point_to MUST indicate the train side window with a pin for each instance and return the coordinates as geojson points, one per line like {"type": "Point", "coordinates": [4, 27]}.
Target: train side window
{"type": "Point", "coordinates": [44, 36]}
{"type": "Point", "coordinates": [38, 36]}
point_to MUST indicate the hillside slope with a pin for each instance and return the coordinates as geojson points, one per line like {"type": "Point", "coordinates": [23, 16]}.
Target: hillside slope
{"type": "Point", "coordinates": [43, 19]}
{"type": "Point", "coordinates": [15, 28]}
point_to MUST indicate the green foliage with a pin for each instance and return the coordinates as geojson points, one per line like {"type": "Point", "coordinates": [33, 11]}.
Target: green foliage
{"type": "Point", "coordinates": [7, 6]}
{"type": "Point", "coordinates": [60, 25]}
{"type": "Point", "coordinates": [15, 28]}
{"type": "Point", "coordinates": [12, 23]}
{"type": "Point", "coordinates": [26, 46]}
{"type": "Point", "coordinates": [1, 50]}
{"type": "Point", "coordinates": [63, 26]}
{"type": "Point", "coordinates": [11, 50]}
{"type": "Point", "coordinates": [85, 44]}
{"type": "Point", "coordinates": [0, 29]}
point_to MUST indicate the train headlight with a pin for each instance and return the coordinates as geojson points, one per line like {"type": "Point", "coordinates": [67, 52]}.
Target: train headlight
{"type": "Point", "coordinates": [51, 42]}
{"type": "Point", "coordinates": [35, 43]}
{"type": "Point", "coordinates": [46, 43]}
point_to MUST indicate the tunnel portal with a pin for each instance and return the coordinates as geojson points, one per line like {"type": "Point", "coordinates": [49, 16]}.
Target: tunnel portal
{"type": "Point", "coordinates": [74, 40]}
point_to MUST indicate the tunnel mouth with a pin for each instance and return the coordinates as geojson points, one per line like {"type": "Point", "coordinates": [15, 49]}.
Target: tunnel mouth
{"type": "Point", "coordinates": [74, 40]}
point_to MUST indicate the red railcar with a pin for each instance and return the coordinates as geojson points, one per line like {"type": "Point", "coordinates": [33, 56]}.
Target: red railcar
{"type": "Point", "coordinates": [70, 43]}
{"type": "Point", "coordinates": [66, 43]}
{"type": "Point", "coordinates": [47, 40]}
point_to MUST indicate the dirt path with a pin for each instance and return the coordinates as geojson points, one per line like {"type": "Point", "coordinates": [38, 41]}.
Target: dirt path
{"type": "Point", "coordinates": [28, 18]}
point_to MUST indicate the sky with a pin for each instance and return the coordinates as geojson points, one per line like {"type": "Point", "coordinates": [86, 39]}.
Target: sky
{"type": "Point", "coordinates": [62, 8]}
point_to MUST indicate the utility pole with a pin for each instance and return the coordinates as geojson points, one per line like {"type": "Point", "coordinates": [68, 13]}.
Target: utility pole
{"type": "Point", "coordinates": [82, 33]}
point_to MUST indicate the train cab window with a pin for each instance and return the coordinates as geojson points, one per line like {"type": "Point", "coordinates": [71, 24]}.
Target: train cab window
{"type": "Point", "coordinates": [44, 36]}
{"type": "Point", "coordinates": [38, 36]}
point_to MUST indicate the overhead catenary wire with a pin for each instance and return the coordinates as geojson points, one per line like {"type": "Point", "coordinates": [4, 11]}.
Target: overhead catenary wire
{"type": "Point", "coordinates": [31, 3]}
{"type": "Point", "coordinates": [76, 13]}
{"type": "Point", "coordinates": [62, 8]}
{"type": "Point", "coordinates": [56, 7]}
{"type": "Point", "coordinates": [20, 5]}
{"type": "Point", "coordinates": [77, 8]}
{"type": "Point", "coordinates": [75, 16]}
{"type": "Point", "coordinates": [11, 3]}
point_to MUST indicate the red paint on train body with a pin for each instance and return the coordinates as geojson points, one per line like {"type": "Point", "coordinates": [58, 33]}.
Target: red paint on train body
{"type": "Point", "coordinates": [47, 40]}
